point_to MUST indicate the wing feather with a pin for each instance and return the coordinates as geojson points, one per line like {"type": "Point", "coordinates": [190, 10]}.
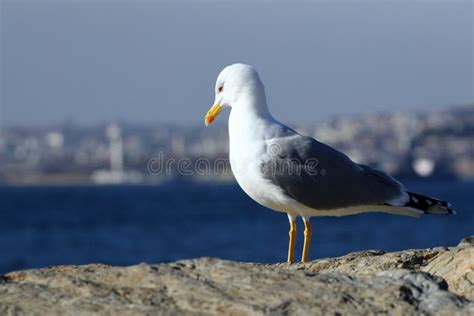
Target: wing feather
{"type": "Point", "coordinates": [323, 178]}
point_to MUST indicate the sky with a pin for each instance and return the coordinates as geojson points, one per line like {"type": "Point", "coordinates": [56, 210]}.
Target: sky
{"type": "Point", "coordinates": [155, 62]}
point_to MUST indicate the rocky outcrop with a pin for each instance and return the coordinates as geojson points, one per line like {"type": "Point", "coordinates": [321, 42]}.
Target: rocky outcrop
{"type": "Point", "coordinates": [455, 264]}
{"type": "Point", "coordinates": [411, 282]}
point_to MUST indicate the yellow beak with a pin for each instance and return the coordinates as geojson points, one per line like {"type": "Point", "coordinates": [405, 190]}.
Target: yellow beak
{"type": "Point", "coordinates": [213, 113]}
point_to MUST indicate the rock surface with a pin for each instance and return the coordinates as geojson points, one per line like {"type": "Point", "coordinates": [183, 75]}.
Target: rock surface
{"type": "Point", "coordinates": [411, 282]}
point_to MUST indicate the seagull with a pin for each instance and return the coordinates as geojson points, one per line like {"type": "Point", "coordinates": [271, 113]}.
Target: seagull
{"type": "Point", "coordinates": [296, 174]}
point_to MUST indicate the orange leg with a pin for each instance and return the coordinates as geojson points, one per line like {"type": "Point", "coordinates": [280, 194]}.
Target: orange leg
{"type": "Point", "coordinates": [307, 240]}
{"type": "Point", "coordinates": [291, 245]}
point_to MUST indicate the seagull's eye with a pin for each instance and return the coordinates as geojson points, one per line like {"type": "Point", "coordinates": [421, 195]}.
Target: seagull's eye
{"type": "Point", "coordinates": [220, 89]}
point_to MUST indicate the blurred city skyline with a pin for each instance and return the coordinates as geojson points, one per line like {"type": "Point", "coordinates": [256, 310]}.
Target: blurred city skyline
{"type": "Point", "coordinates": [433, 145]}
{"type": "Point", "coordinates": [156, 61]}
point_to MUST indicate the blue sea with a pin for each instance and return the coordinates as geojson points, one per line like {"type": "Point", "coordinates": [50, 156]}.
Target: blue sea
{"type": "Point", "coordinates": [123, 225]}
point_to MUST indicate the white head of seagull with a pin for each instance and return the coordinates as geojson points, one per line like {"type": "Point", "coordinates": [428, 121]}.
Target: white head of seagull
{"type": "Point", "coordinates": [238, 86]}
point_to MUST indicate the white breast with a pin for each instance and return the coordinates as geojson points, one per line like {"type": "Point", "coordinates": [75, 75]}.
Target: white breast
{"type": "Point", "coordinates": [247, 146]}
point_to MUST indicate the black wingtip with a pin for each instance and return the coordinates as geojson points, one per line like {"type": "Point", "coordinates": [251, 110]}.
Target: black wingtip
{"type": "Point", "coordinates": [429, 205]}
{"type": "Point", "coordinates": [451, 211]}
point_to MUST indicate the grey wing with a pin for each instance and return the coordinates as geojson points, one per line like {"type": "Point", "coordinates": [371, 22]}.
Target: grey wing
{"type": "Point", "coordinates": [323, 178]}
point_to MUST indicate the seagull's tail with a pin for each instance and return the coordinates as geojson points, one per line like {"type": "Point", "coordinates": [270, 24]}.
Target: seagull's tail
{"type": "Point", "coordinates": [428, 205]}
